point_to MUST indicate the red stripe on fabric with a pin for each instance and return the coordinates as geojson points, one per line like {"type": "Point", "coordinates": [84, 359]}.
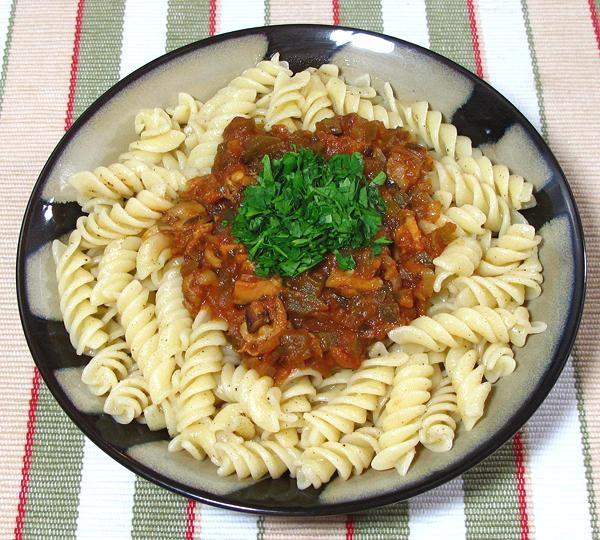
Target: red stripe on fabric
{"type": "Point", "coordinates": [475, 37]}
{"type": "Point", "coordinates": [521, 489]}
{"type": "Point", "coordinates": [74, 64]}
{"type": "Point", "coordinates": [33, 400]}
{"type": "Point", "coordinates": [349, 527]}
{"type": "Point", "coordinates": [594, 15]}
{"type": "Point", "coordinates": [35, 384]}
{"type": "Point", "coordinates": [335, 5]}
{"type": "Point", "coordinates": [212, 18]}
{"type": "Point", "coordinates": [190, 518]}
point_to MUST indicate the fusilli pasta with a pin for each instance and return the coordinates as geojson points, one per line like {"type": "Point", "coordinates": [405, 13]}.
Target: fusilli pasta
{"type": "Point", "coordinates": [401, 419]}
{"type": "Point", "coordinates": [122, 299]}
{"type": "Point", "coordinates": [74, 288]}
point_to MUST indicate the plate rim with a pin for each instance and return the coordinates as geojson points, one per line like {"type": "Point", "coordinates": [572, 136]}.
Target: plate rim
{"type": "Point", "coordinates": [477, 455]}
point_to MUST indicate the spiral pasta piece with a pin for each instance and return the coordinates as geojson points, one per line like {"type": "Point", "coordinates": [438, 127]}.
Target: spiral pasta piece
{"type": "Point", "coordinates": [498, 360]}
{"type": "Point", "coordinates": [460, 258]}
{"type": "Point", "coordinates": [255, 459]}
{"type": "Point", "coordinates": [139, 213]}
{"type": "Point", "coordinates": [258, 395]}
{"type": "Point", "coordinates": [296, 393]}
{"type": "Point", "coordinates": [215, 115]}
{"type": "Point", "coordinates": [198, 375]}
{"type": "Point", "coordinates": [153, 254]}
{"type": "Point", "coordinates": [518, 243]}
{"type": "Point", "coordinates": [428, 126]}
{"type": "Point", "coordinates": [326, 72]}
{"type": "Point", "coordinates": [468, 219]}
{"type": "Point", "coordinates": [198, 440]}
{"type": "Point", "coordinates": [157, 131]}
{"type": "Point", "coordinates": [471, 324]}
{"type": "Point", "coordinates": [467, 380]}
{"type": "Point", "coordinates": [448, 177]}
{"type": "Point", "coordinates": [347, 99]}
{"type": "Point", "coordinates": [174, 320]}
{"type": "Point", "coordinates": [114, 270]}
{"type": "Point", "coordinates": [316, 105]}
{"type": "Point", "coordinates": [512, 287]}
{"type": "Point", "coordinates": [353, 454]}
{"type": "Point", "coordinates": [171, 324]}
{"type": "Point", "coordinates": [107, 368]}
{"type": "Point", "coordinates": [187, 106]}
{"type": "Point", "coordinates": [401, 419]}
{"type": "Point", "coordinates": [138, 317]}
{"type": "Point", "coordinates": [105, 185]}
{"type": "Point", "coordinates": [287, 100]}
{"type": "Point", "coordinates": [523, 327]}
{"type": "Point", "coordinates": [343, 102]}
{"type": "Point", "coordinates": [438, 424]}
{"type": "Point", "coordinates": [261, 78]}
{"type": "Point", "coordinates": [378, 349]}
{"type": "Point", "coordinates": [128, 399]}
{"type": "Point", "coordinates": [361, 395]}
{"type": "Point", "coordinates": [86, 331]}
{"type": "Point", "coordinates": [511, 187]}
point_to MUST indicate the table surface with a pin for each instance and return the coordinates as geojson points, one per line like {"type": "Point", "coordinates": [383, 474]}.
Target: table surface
{"type": "Point", "coordinates": [59, 55]}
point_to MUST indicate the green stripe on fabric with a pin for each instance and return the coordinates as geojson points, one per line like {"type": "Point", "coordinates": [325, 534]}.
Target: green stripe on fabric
{"type": "Point", "coordinates": [491, 504]}
{"type": "Point", "coordinates": [55, 473]}
{"type": "Point", "coordinates": [267, 12]}
{"type": "Point", "coordinates": [158, 513]}
{"type": "Point", "coordinates": [585, 442]}
{"type": "Point", "coordinates": [100, 50]}
{"type": "Point", "coordinates": [7, 44]}
{"type": "Point", "coordinates": [364, 14]}
{"type": "Point", "coordinates": [536, 71]}
{"type": "Point", "coordinates": [449, 31]}
{"type": "Point", "coordinates": [186, 22]}
{"type": "Point", "coordinates": [387, 523]}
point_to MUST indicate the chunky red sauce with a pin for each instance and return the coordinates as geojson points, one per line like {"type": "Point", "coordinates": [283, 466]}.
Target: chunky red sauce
{"type": "Point", "coordinates": [325, 317]}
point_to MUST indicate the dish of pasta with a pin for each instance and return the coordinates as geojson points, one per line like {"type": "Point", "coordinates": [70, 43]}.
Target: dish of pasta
{"type": "Point", "coordinates": [301, 275]}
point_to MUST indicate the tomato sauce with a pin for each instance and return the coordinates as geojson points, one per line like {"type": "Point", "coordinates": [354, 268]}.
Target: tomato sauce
{"type": "Point", "coordinates": [325, 317]}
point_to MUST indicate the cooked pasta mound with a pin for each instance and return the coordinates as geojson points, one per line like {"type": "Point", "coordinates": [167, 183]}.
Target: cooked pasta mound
{"type": "Point", "coordinates": [301, 275]}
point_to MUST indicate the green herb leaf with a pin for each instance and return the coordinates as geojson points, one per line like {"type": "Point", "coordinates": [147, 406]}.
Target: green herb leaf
{"type": "Point", "coordinates": [304, 207]}
{"type": "Point", "coordinates": [345, 262]}
{"type": "Point", "coordinates": [379, 180]}
{"type": "Point", "coordinates": [379, 243]}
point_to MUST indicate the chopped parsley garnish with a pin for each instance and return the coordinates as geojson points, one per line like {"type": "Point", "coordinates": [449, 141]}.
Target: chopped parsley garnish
{"type": "Point", "coordinates": [304, 207]}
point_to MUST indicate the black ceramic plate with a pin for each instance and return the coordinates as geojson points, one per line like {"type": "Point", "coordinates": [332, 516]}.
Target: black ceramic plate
{"type": "Point", "coordinates": [474, 107]}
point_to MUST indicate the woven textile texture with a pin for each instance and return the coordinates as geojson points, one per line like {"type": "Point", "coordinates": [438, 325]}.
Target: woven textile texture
{"type": "Point", "coordinates": [59, 55]}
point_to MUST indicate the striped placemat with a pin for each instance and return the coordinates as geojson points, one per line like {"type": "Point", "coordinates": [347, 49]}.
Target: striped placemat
{"type": "Point", "coordinates": [59, 55]}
